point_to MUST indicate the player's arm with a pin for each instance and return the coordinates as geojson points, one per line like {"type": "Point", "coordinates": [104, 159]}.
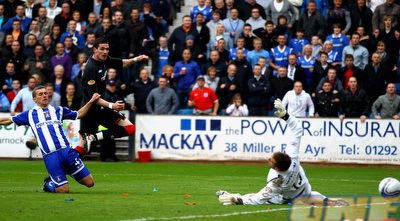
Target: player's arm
{"type": "Point", "coordinates": [83, 111]}
{"type": "Point", "coordinates": [5, 120]}
{"type": "Point", "coordinates": [129, 61]}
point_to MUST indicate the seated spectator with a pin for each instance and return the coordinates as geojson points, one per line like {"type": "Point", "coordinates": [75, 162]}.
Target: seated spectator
{"type": "Point", "coordinates": [220, 34]}
{"type": "Point", "coordinates": [376, 77]}
{"type": "Point", "coordinates": [237, 107]}
{"type": "Point", "coordinates": [16, 87]}
{"type": "Point", "coordinates": [4, 102]}
{"type": "Point", "coordinates": [295, 71]}
{"type": "Point", "coordinates": [298, 102]}
{"type": "Point", "coordinates": [338, 40]}
{"type": "Point", "coordinates": [216, 19]}
{"type": "Point", "coordinates": [298, 43]}
{"type": "Point", "coordinates": [38, 63]}
{"type": "Point", "coordinates": [211, 79]}
{"type": "Point", "coordinates": [71, 99]}
{"type": "Point", "coordinates": [239, 45]}
{"type": "Point", "coordinates": [312, 21]}
{"type": "Point", "coordinates": [256, 21]}
{"type": "Point", "coordinates": [53, 10]}
{"type": "Point", "coordinates": [243, 66]}
{"type": "Point", "coordinates": [338, 13]}
{"type": "Point", "coordinates": [252, 56]}
{"type": "Point", "coordinates": [78, 39]}
{"type": "Point", "coordinates": [7, 78]}
{"type": "Point", "coordinates": [387, 105]}
{"type": "Point", "coordinates": [168, 73]}
{"type": "Point", "coordinates": [218, 63]}
{"type": "Point", "coordinates": [348, 71]}
{"type": "Point", "coordinates": [333, 57]}
{"type": "Point", "coordinates": [34, 29]}
{"type": "Point", "coordinates": [282, 84]}
{"type": "Point", "coordinates": [141, 89]}
{"type": "Point", "coordinates": [29, 48]}
{"type": "Point", "coordinates": [203, 100]}
{"type": "Point", "coordinates": [326, 102]}
{"type": "Point", "coordinates": [316, 45]}
{"type": "Point", "coordinates": [268, 35]}
{"type": "Point", "coordinates": [360, 54]}
{"type": "Point", "coordinates": [162, 99]}
{"type": "Point", "coordinates": [354, 102]}
{"type": "Point", "coordinates": [320, 71]}
{"type": "Point", "coordinates": [248, 37]}
{"type": "Point", "coordinates": [307, 62]}
{"type": "Point", "coordinates": [282, 28]}
{"type": "Point", "coordinates": [279, 55]}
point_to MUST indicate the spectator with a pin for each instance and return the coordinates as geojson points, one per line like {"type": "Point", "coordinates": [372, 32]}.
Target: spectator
{"type": "Point", "coordinates": [123, 6]}
{"type": "Point", "coordinates": [247, 9]}
{"type": "Point", "coordinates": [386, 9]}
{"type": "Point", "coordinates": [201, 8]}
{"type": "Point", "coordinates": [141, 89]}
{"type": "Point", "coordinates": [316, 45]}
{"type": "Point", "coordinates": [54, 97]}
{"type": "Point", "coordinates": [161, 10]}
{"type": "Point", "coordinates": [203, 99]}
{"type": "Point", "coordinates": [45, 23]}
{"type": "Point", "coordinates": [259, 93]}
{"type": "Point", "coordinates": [186, 73]}
{"type": "Point", "coordinates": [348, 71]}
{"type": "Point", "coordinates": [16, 87]}
{"type": "Point", "coordinates": [63, 18]}
{"type": "Point", "coordinates": [24, 95]}
{"type": "Point", "coordinates": [78, 5]}
{"type": "Point", "coordinates": [29, 48]}
{"type": "Point", "coordinates": [248, 37]}
{"type": "Point", "coordinates": [336, 84]}
{"type": "Point", "coordinates": [243, 66]}
{"type": "Point", "coordinates": [53, 10]}
{"type": "Point", "coordinates": [376, 78]}
{"type": "Point", "coordinates": [59, 80]}
{"type": "Point", "coordinates": [282, 84]}
{"type": "Point", "coordinates": [258, 51]}
{"type": "Point", "coordinates": [387, 105]}
{"type": "Point", "coordinates": [268, 35]}
{"type": "Point", "coordinates": [386, 60]}
{"type": "Point", "coordinates": [34, 29]}
{"type": "Point", "coordinates": [361, 15]}
{"type": "Point", "coordinates": [298, 43]}
{"type": "Point", "coordinates": [55, 34]}
{"type": "Point", "coordinates": [227, 87]}
{"type": "Point", "coordinates": [107, 13]}
{"type": "Point", "coordinates": [160, 57]}
{"type": "Point", "coordinates": [71, 99]}
{"type": "Point", "coordinates": [168, 73]}
{"type": "Point", "coordinates": [18, 58]}
{"type": "Point", "coordinates": [256, 21]}
{"type": "Point", "coordinates": [80, 24]}
{"type": "Point", "coordinates": [63, 59]}
{"type": "Point", "coordinates": [76, 68]}
{"type": "Point", "coordinates": [339, 40]}
{"type": "Point", "coordinates": [320, 71]}
{"type": "Point", "coordinates": [71, 49]}
{"type": "Point", "coordinates": [211, 79]}
{"type": "Point", "coordinates": [88, 47]}
{"type": "Point", "coordinates": [312, 22]}
{"type": "Point", "coordinates": [109, 31]}
{"type": "Point", "coordinates": [8, 77]}
{"type": "Point", "coordinates": [38, 64]}
{"type": "Point", "coordinates": [223, 52]}
{"type": "Point", "coordinates": [279, 55]}
{"type": "Point", "coordinates": [233, 25]}
{"type": "Point", "coordinates": [96, 6]}
{"type": "Point", "coordinates": [388, 35]}
{"type": "Point", "coordinates": [49, 48]}
{"type": "Point", "coordinates": [216, 19]}
{"type": "Point", "coordinates": [282, 28]}
{"type": "Point", "coordinates": [321, 5]}
{"type": "Point", "coordinates": [298, 102]}
{"type": "Point", "coordinates": [202, 31]}
{"type": "Point", "coordinates": [78, 39]}
{"type": "Point", "coordinates": [17, 33]}
{"type": "Point", "coordinates": [10, 6]}
{"type": "Point", "coordinates": [20, 16]}
{"type": "Point", "coordinates": [178, 37]}
{"type": "Point", "coordinates": [354, 102]}
{"type": "Point", "coordinates": [93, 26]}
{"type": "Point", "coordinates": [338, 14]}
{"type": "Point", "coordinates": [333, 56]}
{"type": "Point", "coordinates": [31, 8]}
{"type": "Point", "coordinates": [220, 34]}
{"type": "Point", "coordinates": [366, 40]}
{"type": "Point", "coordinates": [326, 102]}
{"type": "Point", "coordinates": [237, 107]}
{"type": "Point", "coordinates": [359, 53]}
{"type": "Point", "coordinates": [162, 100]}
{"type": "Point", "coordinates": [307, 62]}
{"type": "Point", "coordinates": [282, 7]}
{"type": "Point", "coordinates": [195, 50]}
{"type": "Point", "coordinates": [217, 63]}
{"type": "Point", "coordinates": [295, 71]}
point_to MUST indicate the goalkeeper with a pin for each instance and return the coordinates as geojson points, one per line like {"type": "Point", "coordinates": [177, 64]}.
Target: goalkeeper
{"type": "Point", "coordinates": [286, 179]}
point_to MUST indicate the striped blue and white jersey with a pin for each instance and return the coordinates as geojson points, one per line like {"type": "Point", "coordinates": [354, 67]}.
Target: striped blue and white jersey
{"type": "Point", "coordinates": [46, 124]}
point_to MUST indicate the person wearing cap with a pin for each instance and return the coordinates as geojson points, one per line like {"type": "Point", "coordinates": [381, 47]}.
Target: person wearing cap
{"type": "Point", "coordinates": [203, 99]}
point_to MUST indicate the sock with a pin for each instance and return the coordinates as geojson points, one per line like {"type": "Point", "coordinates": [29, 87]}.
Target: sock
{"type": "Point", "coordinates": [51, 185]}
{"type": "Point", "coordinates": [80, 150]}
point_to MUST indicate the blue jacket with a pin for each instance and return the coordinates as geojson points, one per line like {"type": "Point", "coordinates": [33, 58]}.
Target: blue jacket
{"type": "Point", "coordinates": [192, 72]}
{"type": "Point", "coordinates": [5, 103]}
{"type": "Point", "coordinates": [81, 40]}
{"type": "Point", "coordinates": [25, 23]}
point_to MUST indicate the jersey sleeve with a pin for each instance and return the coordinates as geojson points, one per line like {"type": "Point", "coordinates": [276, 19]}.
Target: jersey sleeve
{"type": "Point", "coordinates": [68, 114]}
{"type": "Point", "coordinates": [21, 119]}
{"type": "Point", "coordinates": [115, 63]}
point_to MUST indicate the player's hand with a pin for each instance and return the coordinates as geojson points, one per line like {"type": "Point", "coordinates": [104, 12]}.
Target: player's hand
{"type": "Point", "coordinates": [119, 105]}
{"type": "Point", "coordinates": [142, 58]}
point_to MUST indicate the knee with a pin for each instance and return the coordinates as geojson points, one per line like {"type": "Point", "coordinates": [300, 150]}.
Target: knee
{"type": "Point", "coordinates": [90, 184]}
{"type": "Point", "coordinates": [63, 189]}
{"type": "Point", "coordinates": [130, 129]}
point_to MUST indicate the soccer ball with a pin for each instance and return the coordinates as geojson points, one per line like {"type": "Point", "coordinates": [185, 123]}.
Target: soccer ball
{"type": "Point", "coordinates": [389, 187]}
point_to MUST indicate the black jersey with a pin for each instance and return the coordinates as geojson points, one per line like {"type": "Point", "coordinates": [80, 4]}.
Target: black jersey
{"type": "Point", "coordinates": [94, 77]}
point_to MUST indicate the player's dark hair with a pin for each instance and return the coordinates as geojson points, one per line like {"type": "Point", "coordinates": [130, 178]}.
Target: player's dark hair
{"type": "Point", "coordinates": [99, 41]}
{"type": "Point", "coordinates": [282, 160]}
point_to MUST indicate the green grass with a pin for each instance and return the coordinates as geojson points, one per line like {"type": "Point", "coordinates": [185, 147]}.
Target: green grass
{"type": "Point", "coordinates": [21, 197]}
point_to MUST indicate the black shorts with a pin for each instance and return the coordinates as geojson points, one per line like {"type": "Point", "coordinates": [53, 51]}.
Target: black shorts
{"type": "Point", "coordinates": [95, 117]}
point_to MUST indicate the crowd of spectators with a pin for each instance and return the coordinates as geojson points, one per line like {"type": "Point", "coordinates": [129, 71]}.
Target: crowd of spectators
{"type": "Point", "coordinates": [323, 58]}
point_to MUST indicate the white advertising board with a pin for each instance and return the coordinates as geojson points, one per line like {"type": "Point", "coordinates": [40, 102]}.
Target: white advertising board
{"type": "Point", "coordinates": [180, 137]}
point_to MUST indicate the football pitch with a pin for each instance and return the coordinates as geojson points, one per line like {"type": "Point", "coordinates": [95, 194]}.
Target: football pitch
{"type": "Point", "coordinates": [164, 191]}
